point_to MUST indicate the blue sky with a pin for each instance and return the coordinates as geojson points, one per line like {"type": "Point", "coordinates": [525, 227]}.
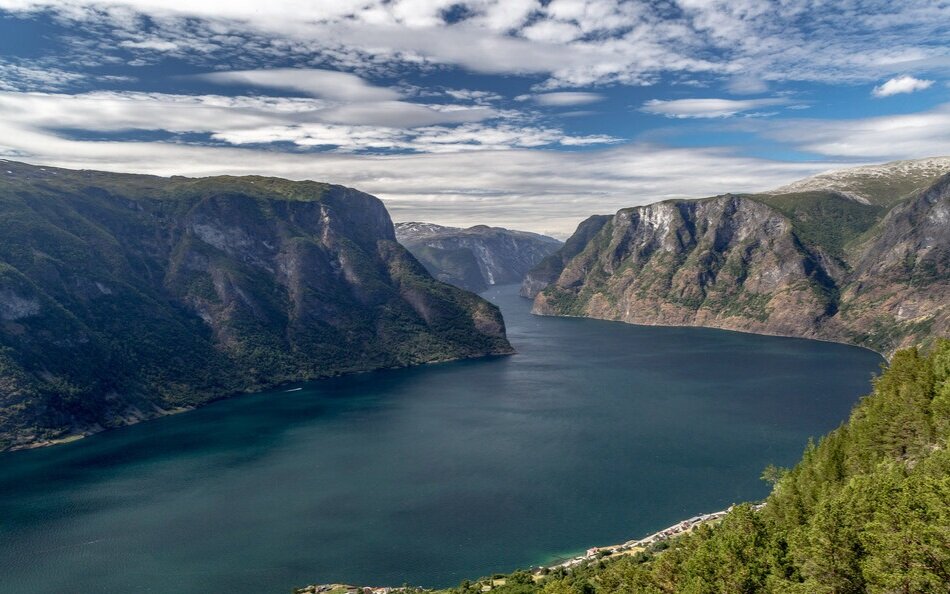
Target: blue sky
{"type": "Point", "coordinates": [524, 113]}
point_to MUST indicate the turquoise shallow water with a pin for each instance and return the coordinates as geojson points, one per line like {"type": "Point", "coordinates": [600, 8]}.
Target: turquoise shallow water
{"type": "Point", "coordinates": [594, 433]}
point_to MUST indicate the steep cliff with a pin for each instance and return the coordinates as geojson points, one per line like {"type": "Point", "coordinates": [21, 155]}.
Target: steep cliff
{"type": "Point", "coordinates": [548, 269]}
{"type": "Point", "coordinates": [807, 262]}
{"type": "Point", "coordinates": [898, 293]}
{"type": "Point", "coordinates": [123, 297]}
{"type": "Point", "coordinates": [477, 257]}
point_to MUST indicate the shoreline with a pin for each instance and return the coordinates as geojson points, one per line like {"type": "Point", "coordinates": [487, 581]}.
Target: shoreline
{"type": "Point", "coordinates": [593, 554]}
{"type": "Point", "coordinates": [633, 546]}
{"type": "Point", "coordinates": [160, 413]}
{"type": "Point", "coordinates": [886, 357]}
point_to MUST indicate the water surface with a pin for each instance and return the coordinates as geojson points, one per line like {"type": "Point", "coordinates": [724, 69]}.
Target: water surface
{"type": "Point", "coordinates": [594, 433]}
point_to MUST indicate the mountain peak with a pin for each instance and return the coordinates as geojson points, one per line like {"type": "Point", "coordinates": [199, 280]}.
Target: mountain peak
{"type": "Point", "coordinates": [884, 184]}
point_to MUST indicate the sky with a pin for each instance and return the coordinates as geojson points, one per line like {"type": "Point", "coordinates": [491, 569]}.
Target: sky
{"type": "Point", "coordinates": [529, 114]}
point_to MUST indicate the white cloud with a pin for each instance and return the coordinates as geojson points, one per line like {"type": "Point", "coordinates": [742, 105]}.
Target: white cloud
{"type": "Point", "coordinates": [431, 139]}
{"type": "Point", "coordinates": [19, 77]}
{"type": "Point", "coordinates": [566, 99]}
{"type": "Point", "coordinates": [104, 110]}
{"type": "Point", "coordinates": [915, 135]}
{"type": "Point", "coordinates": [113, 111]}
{"type": "Point", "coordinates": [349, 127]}
{"type": "Point", "coordinates": [571, 42]}
{"type": "Point", "coordinates": [901, 84]}
{"type": "Point", "coordinates": [473, 136]}
{"type": "Point", "coordinates": [707, 108]}
{"type": "Point", "coordinates": [747, 85]}
{"type": "Point", "coordinates": [159, 45]}
{"type": "Point", "coordinates": [552, 32]}
{"type": "Point", "coordinates": [353, 101]}
{"type": "Point", "coordinates": [327, 84]}
{"type": "Point", "coordinates": [402, 115]}
{"type": "Point", "coordinates": [506, 16]}
{"type": "Point", "coordinates": [475, 96]}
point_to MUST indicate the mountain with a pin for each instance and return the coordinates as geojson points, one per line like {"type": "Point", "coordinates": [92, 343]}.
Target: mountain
{"type": "Point", "coordinates": [551, 267]}
{"type": "Point", "coordinates": [477, 257]}
{"type": "Point", "coordinates": [850, 262]}
{"type": "Point", "coordinates": [125, 297]}
{"type": "Point", "coordinates": [884, 184]}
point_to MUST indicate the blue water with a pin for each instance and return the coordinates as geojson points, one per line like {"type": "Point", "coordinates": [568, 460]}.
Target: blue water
{"type": "Point", "coordinates": [594, 433]}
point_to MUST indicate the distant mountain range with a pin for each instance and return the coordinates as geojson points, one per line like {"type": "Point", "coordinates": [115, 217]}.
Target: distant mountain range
{"type": "Point", "coordinates": [860, 256]}
{"type": "Point", "coordinates": [477, 257]}
{"type": "Point", "coordinates": [125, 297]}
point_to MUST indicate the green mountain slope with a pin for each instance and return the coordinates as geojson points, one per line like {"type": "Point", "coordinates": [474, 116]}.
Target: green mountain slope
{"type": "Point", "coordinates": [124, 297]}
{"type": "Point", "coordinates": [881, 185]}
{"type": "Point", "coordinates": [826, 220]}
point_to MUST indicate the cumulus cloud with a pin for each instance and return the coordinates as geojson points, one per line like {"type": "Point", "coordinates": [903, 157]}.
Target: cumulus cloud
{"type": "Point", "coordinates": [901, 84]}
{"type": "Point", "coordinates": [707, 108]}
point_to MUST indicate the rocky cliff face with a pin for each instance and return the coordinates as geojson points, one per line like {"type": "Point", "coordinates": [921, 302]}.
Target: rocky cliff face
{"type": "Point", "coordinates": [125, 297]}
{"type": "Point", "coordinates": [477, 257]}
{"type": "Point", "coordinates": [815, 264]}
{"type": "Point", "coordinates": [548, 269]}
{"type": "Point", "coordinates": [898, 293]}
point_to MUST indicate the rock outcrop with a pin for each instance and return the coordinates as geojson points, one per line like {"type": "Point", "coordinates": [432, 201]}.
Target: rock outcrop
{"type": "Point", "coordinates": [551, 267]}
{"type": "Point", "coordinates": [124, 297]}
